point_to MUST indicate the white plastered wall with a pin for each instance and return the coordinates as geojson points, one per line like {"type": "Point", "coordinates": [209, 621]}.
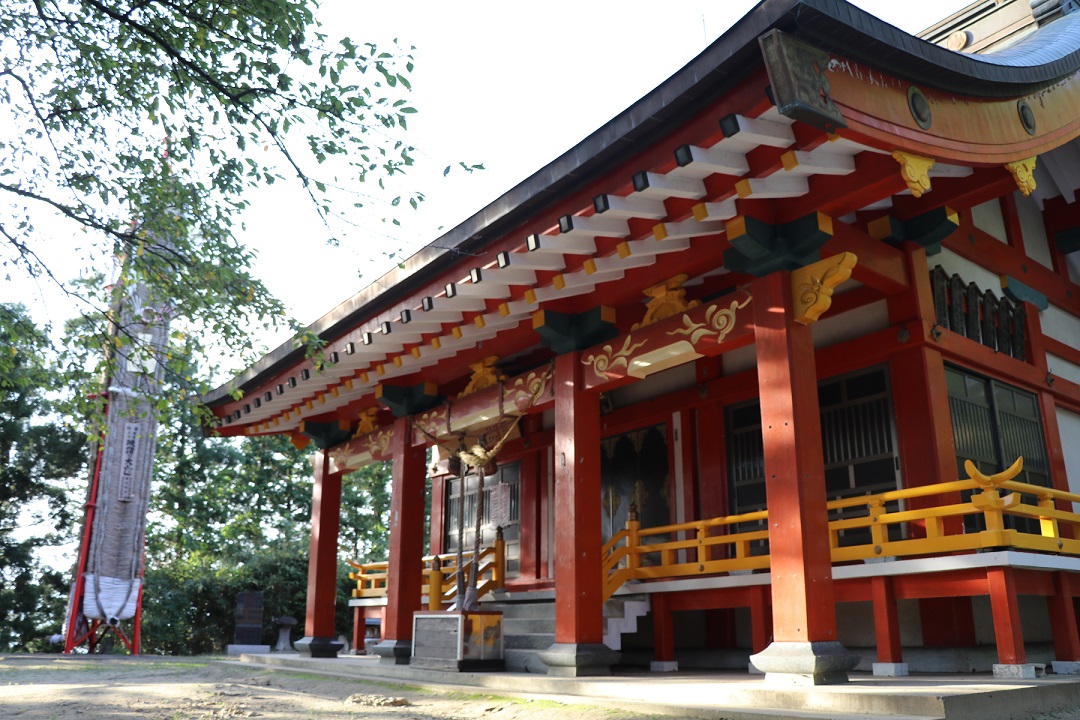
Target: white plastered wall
{"type": "Point", "coordinates": [1069, 427]}
{"type": "Point", "coordinates": [987, 217]}
{"type": "Point", "coordinates": [1033, 229]}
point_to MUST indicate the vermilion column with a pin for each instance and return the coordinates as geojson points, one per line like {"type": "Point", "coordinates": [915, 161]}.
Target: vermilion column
{"type": "Point", "coordinates": [1005, 605]}
{"type": "Point", "coordinates": [404, 576]}
{"type": "Point", "coordinates": [887, 628]}
{"type": "Point", "coordinates": [920, 395]}
{"type": "Point", "coordinates": [924, 432]}
{"type": "Point", "coordinates": [579, 608]}
{"type": "Point", "coordinates": [319, 636]}
{"type": "Point", "coordinates": [804, 648]}
{"type": "Point", "coordinates": [1063, 620]}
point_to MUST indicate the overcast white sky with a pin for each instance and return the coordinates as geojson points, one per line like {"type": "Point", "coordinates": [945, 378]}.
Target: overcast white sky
{"type": "Point", "coordinates": [510, 85]}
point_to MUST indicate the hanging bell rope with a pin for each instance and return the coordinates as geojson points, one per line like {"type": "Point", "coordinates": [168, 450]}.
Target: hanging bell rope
{"type": "Point", "coordinates": [479, 456]}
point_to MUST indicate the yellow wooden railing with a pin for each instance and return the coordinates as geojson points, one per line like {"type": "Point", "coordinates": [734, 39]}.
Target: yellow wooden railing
{"type": "Point", "coordinates": [439, 572]}
{"type": "Point", "coordinates": [717, 545]}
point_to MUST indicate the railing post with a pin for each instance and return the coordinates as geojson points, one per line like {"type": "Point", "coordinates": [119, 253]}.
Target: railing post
{"type": "Point", "coordinates": [498, 573]}
{"type": "Point", "coordinates": [435, 585]}
{"type": "Point", "coordinates": [989, 501]}
{"type": "Point", "coordinates": [1048, 525]}
{"type": "Point", "coordinates": [877, 530]}
{"type": "Point", "coordinates": [702, 551]}
{"type": "Point", "coordinates": [633, 558]}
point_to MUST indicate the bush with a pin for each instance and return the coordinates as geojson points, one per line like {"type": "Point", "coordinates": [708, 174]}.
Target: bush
{"type": "Point", "coordinates": [189, 604]}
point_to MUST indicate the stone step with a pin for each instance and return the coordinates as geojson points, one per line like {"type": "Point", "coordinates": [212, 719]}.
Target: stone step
{"type": "Point", "coordinates": [524, 609]}
{"type": "Point", "coordinates": [528, 624]}
{"type": "Point", "coordinates": [525, 660]}
{"type": "Point", "coordinates": [528, 641]}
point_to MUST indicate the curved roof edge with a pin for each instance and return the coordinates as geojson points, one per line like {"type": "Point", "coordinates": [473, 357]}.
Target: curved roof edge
{"type": "Point", "coordinates": [1047, 56]}
{"type": "Point", "coordinates": [1051, 54]}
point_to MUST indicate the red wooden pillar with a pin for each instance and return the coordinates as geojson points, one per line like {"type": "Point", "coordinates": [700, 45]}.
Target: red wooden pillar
{"type": "Point", "coordinates": [319, 636]}
{"type": "Point", "coordinates": [529, 568]}
{"type": "Point", "coordinates": [920, 396]}
{"type": "Point", "coordinates": [804, 647]}
{"type": "Point", "coordinates": [405, 574]}
{"type": "Point", "coordinates": [579, 605]}
{"type": "Point", "coordinates": [532, 490]}
{"type": "Point", "coordinates": [1063, 620]}
{"type": "Point", "coordinates": [886, 628]}
{"type": "Point", "coordinates": [663, 635]}
{"type": "Point", "coordinates": [359, 629]}
{"type": "Point", "coordinates": [436, 533]}
{"type": "Point", "coordinates": [712, 467]}
{"type": "Point", "coordinates": [1008, 632]}
{"type": "Point", "coordinates": [924, 435]}
{"type": "Point", "coordinates": [760, 618]}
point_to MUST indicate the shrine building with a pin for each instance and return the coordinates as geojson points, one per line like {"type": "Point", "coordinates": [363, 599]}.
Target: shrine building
{"type": "Point", "coordinates": [780, 369]}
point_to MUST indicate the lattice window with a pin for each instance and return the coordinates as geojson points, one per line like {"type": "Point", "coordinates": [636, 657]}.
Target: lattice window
{"type": "Point", "coordinates": [858, 445]}
{"type": "Point", "coordinates": [507, 479]}
{"type": "Point", "coordinates": [993, 424]}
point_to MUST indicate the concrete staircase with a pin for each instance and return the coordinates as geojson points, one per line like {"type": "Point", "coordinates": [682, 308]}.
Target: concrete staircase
{"type": "Point", "coordinates": [529, 627]}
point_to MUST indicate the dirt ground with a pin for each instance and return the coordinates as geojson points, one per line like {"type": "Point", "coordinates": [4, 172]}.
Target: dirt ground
{"type": "Point", "coordinates": [49, 687]}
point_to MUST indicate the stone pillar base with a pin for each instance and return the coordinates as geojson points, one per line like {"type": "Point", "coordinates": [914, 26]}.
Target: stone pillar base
{"type": "Point", "coordinates": [318, 647]}
{"type": "Point", "coordinates": [579, 660]}
{"type": "Point", "coordinates": [1065, 667]}
{"type": "Point", "coordinates": [890, 669]}
{"type": "Point", "coordinates": [805, 663]}
{"type": "Point", "coordinates": [664, 666]}
{"type": "Point", "coordinates": [1026, 671]}
{"type": "Point", "coordinates": [393, 652]}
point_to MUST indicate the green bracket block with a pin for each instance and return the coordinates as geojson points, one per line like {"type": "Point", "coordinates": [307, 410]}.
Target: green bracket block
{"type": "Point", "coordinates": [567, 332]}
{"type": "Point", "coordinates": [1019, 292]}
{"type": "Point", "coordinates": [759, 248]}
{"type": "Point", "coordinates": [1068, 240]}
{"type": "Point", "coordinates": [926, 230]}
{"type": "Point", "coordinates": [327, 434]}
{"type": "Point", "coordinates": [405, 400]}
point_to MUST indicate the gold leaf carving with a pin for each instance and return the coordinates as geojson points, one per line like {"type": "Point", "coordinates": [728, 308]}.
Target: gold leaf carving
{"type": "Point", "coordinates": [718, 321]}
{"type": "Point", "coordinates": [610, 360]}
{"type": "Point", "coordinates": [379, 443]}
{"type": "Point", "coordinates": [812, 286]}
{"type": "Point", "coordinates": [915, 170]}
{"type": "Point", "coordinates": [668, 299]}
{"type": "Point", "coordinates": [366, 421]}
{"type": "Point", "coordinates": [1023, 172]}
{"type": "Point", "coordinates": [527, 391]}
{"type": "Point", "coordinates": [484, 375]}
{"type": "Point", "coordinates": [434, 422]}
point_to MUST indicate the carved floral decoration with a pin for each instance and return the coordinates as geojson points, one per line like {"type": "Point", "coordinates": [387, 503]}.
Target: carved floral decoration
{"type": "Point", "coordinates": [915, 170]}
{"type": "Point", "coordinates": [610, 360]}
{"type": "Point", "coordinates": [484, 375]}
{"type": "Point", "coordinates": [718, 321]}
{"type": "Point", "coordinates": [366, 422]}
{"type": "Point", "coordinates": [434, 422]}
{"type": "Point", "coordinates": [812, 286]}
{"type": "Point", "coordinates": [526, 391]}
{"type": "Point", "coordinates": [668, 300]}
{"type": "Point", "coordinates": [378, 444]}
{"type": "Point", "coordinates": [1023, 172]}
